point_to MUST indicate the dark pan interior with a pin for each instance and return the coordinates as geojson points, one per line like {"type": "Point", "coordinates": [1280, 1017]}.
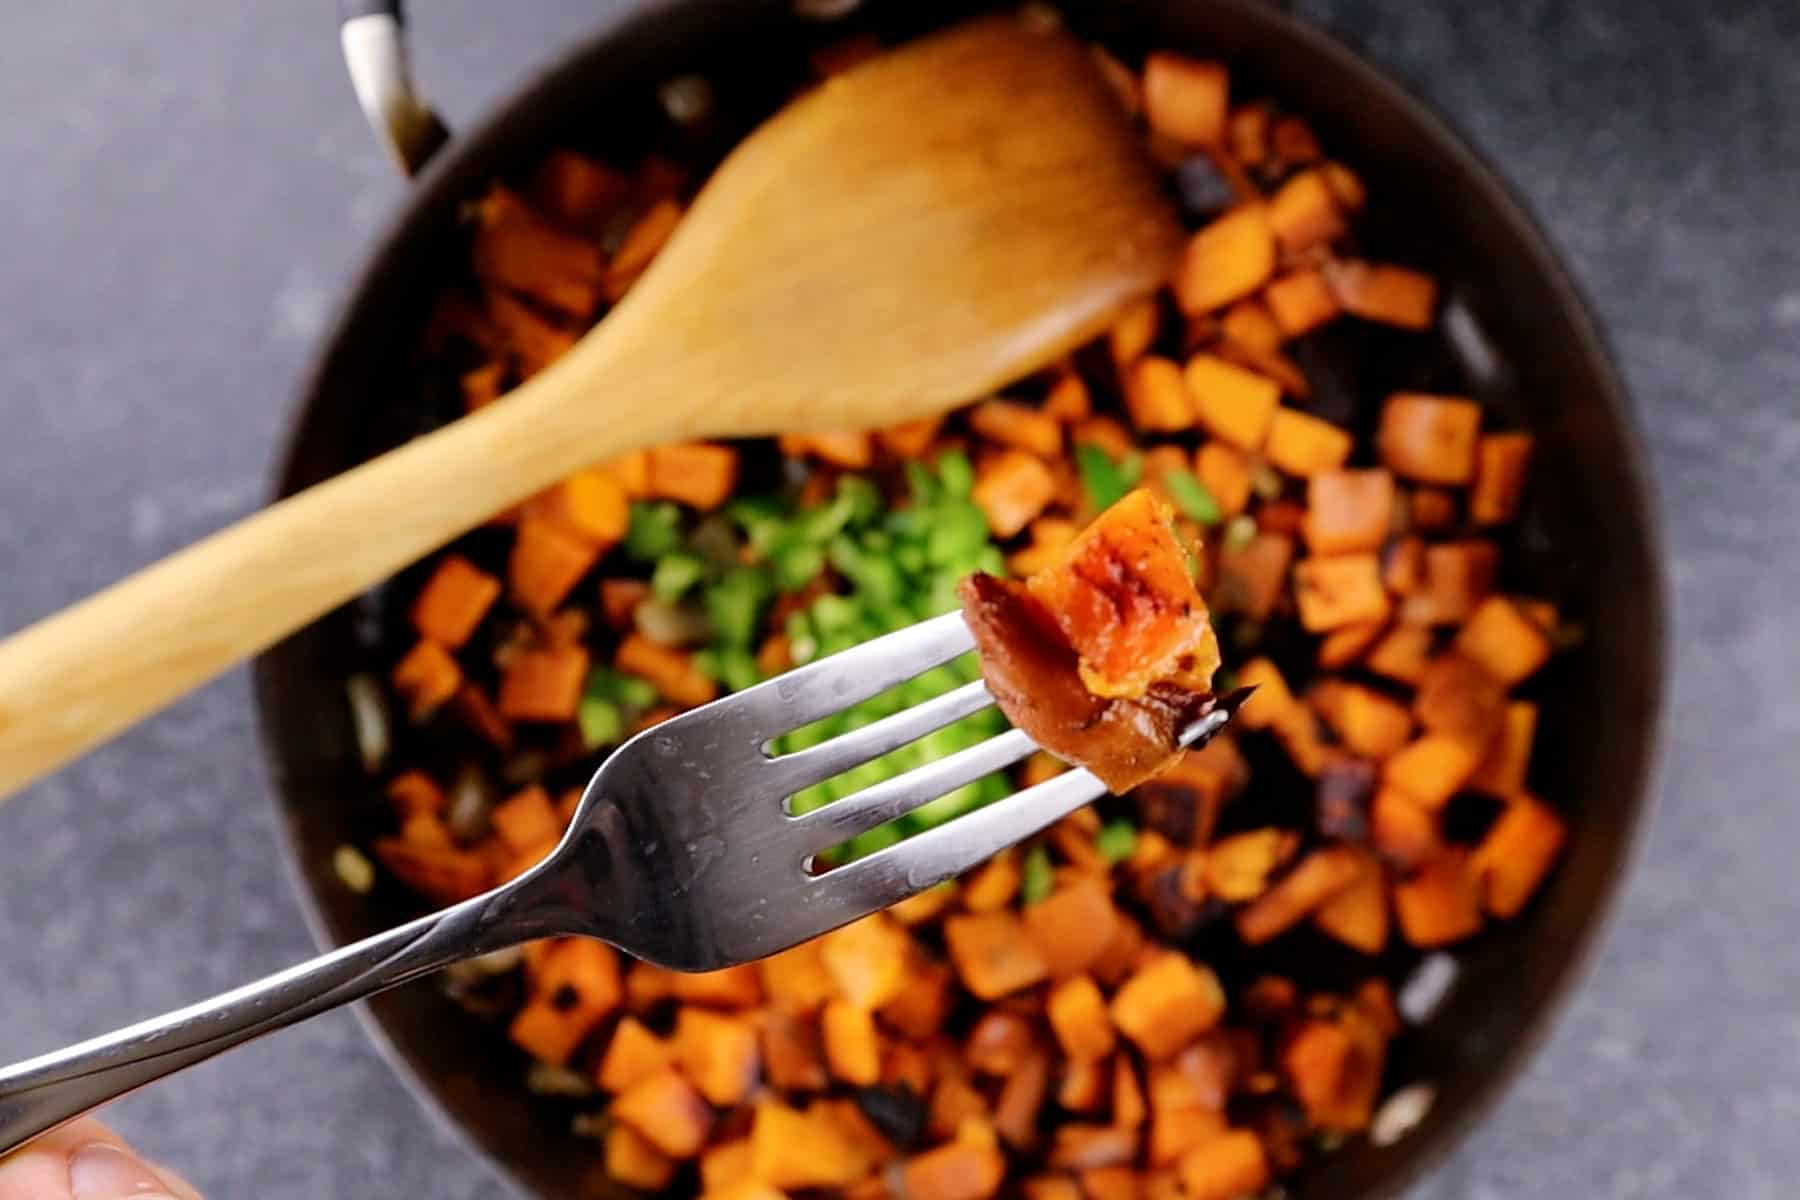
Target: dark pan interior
{"type": "Point", "coordinates": [1523, 341]}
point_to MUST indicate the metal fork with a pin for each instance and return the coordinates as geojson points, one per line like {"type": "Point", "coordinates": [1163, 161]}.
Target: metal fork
{"type": "Point", "coordinates": [681, 852]}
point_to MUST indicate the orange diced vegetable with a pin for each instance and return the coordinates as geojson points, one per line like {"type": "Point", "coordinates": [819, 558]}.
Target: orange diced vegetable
{"type": "Point", "coordinates": [993, 884]}
{"type": "Point", "coordinates": [1226, 261]}
{"type": "Point", "coordinates": [533, 341]}
{"type": "Point", "coordinates": [445, 876]}
{"type": "Point", "coordinates": [1300, 302]}
{"type": "Point", "coordinates": [426, 829]}
{"type": "Point", "coordinates": [1079, 1018]}
{"type": "Point", "coordinates": [1018, 425]}
{"type": "Point", "coordinates": [699, 474]}
{"type": "Point", "coordinates": [1506, 643]}
{"type": "Point", "coordinates": [796, 981]}
{"type": "Point", "coordinates": [1068, 399]}
{"type": "Point", "coordinates": [791, 1055]}
{"type": "Point", "coordinates": [717, 1053]}
{"type": "Point", "coordinates": [922, 1008]}
{"type": "Point", "coordinates": [1432, 510]}
{"type": "Point", "coordinates": [722, 1164]}
{"type": "Point", "coordinates": [1253, 577]}
{"type": "Point", "coordinates": [1237, 868]}
{"type": "Point", "coordinates": [1457, 697]}
{"type": "Point", "coordinates": [1083, 1087]}
{"type": "Point", "coordinates": [667, 1111]}
{"type": "Point", "coordinates": [1368, 723]}
{"type": "Point", "coordinates": [1342, 589]}
{"type": "Point", "coordinates": [910, 439]}
{"type": "Point", "coordinates": [632, 1055]}
{"type": "Point", "coordinates": [1174, 1131]}
{"type": "Point", "coordinates": [576, 191]}
{"type": "Point", "coordinates": [631, 472]}
{"type": "Point", "coordinates": [963, 1169]}
{"type": "Point", "coordinates": [1185, 98]}
{"type": "Point", "coordinates": [575, 989]}
{"type": "Point", "coordinates": [634, 1162]}
{"type": "Point", "coordinates": [1378, 292]}
{"type": "Point", "coordinates": [1441, 903]}
{"type": "Point", "coordinates": [1050, 540]}
{"type": "Point", "coordinates": [526, 819]}
{"type": "Point", "coordinates": [518, 249]}
{"type": "Point", "coordinates": [414, 792]}
{"type": "Point", "coordinates": [924, 907]}
{"type": "Point", "coordinates": [544, 685]}
{"type": "Point", "coordinates": [867, 960]}
{"type": "Point", "coordinates": [1223, 471]}
{"type": "Point", "coordinates": [1502, 772]}
{"type": "Point", "coordinates": [619, 599]}
{"type": "Point", "coordinates": [1346, 186]}
{"type": "Point", "coordinates": [1501, 462]}
{"type": "Point", "coordinates": [993, 954]}
{"type": "Point", "coordinates": [1050, 1187]}
{"type": "Point", "coordinates": [1247, 133]}
{"type": "Point", "coordinates": [426, 677]}
{"type": "Point", "coordinates": [729, 987]}
{"type": "Point", "coordinates": [1358, 915]}
{"type": "Point", "coordinates": [545, 565]}
{"type": "Point", "coordinates": [1011, 489]}
{"type": "Point", "coordinates": [1516, 855]}
{"type": "Point", "coordinates": [1402, 829]}
{"type": "Point", "coordinates": [1315, 1060]}
{"type": "Point", "coordinates": [591, 505]}
{"type": "Point", "coordinates": [1345, 644]}
{"type": "Point", "coordinates": [953, 1102]}
{"type": "Point", "coordinates": [1250, 325]}
{"type": "Point", "coordinates": [1132, 334]}
{"type": "Point", "coordinates": [999, 1042]}
{"type": "Point", "coordinates": [1348, 510]}
{"type": "Point", "coordinates": [1167, 1003]}
{"type": "Point", "coordinates": [1234, 404]}
{"type": "Point", "coordinates": [1304, 213]}
{"type": "Point", "coordinates": [789, 1149]}
{"type": "Point", "coordinates": [1084, 1147]}
{"type": "Point", "coordinates": [1105, 433]}
{"type": "Point", "coordinates": [1073, 926]}
{"type": "Point", "coordinates": [1110, 1183]}
{"type": "Point", "coordinates": [1458, 576]}
{"type": "Point", "coordinates": [1130, 1107]}
{"type": "Point", "coordinates": [1433, 768]}
{"type": "Point", "coordinates": [453, 601]}
{"type": "Point", "coordinates": [642, 243]}
{"type": "Point", "coordinates": [1157, 397]}
{"type": "Point", "coordinates": [671, 671]}
{"type": "Point", "coordinates": [1430, 438]}
{"type": "Point", "coordinates": [1320, 876]}
{"type": "Point", "coordinates": [1301, 444]}
{"type": "Point", "coordinates": [1227, 1167]}
{"type": "Point", "coordinates": [482, 386]}
{"type": "Point", "coordinates": [852, 1047]}
{"type": "Point", "coordinates": [1021, 1099]}
{"type": "Point", "coordinates": [1403, 561]}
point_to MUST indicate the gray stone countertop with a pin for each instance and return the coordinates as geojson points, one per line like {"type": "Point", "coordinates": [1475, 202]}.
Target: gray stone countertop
{"type": "Point", "coordinates": [187, 186]}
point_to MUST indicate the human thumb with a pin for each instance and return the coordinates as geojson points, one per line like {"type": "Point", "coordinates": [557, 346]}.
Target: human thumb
{"type": "Point", "coordinates": [86, 1161]}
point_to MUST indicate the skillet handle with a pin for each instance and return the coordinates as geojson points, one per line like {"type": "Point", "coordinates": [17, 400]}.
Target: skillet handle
{"type": "Point", "coordinates": [372, 33]}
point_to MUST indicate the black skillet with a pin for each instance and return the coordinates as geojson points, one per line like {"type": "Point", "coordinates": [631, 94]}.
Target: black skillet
{"type": "Point", "coordinates": [1525, 344]}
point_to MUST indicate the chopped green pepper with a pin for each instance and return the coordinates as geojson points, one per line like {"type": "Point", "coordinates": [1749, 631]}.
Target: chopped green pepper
{"type": "Point", "coordinates": [1035, 878]}
{"type": "Point", "coordinates": [674, 574]}
{"type": "Point", "coordinates": [655, 530]}
{"type": "Point", "coordinates": [1116, 841]}
{"type": "Point", "coordinates": [1192, 497]}
{"type": "Point", "coordinates": [1101, 478]}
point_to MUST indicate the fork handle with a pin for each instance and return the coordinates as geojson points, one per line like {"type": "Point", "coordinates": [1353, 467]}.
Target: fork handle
{"type": "Point", "coordinates": [42, 1093]}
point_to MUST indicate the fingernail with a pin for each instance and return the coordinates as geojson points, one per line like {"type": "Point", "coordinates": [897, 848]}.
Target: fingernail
{"type": "Point", "coordinates": [100, 1171]}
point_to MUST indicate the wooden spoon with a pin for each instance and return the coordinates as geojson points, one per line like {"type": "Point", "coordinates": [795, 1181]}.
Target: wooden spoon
{"type": "Point", "coordinates": [907, 236]}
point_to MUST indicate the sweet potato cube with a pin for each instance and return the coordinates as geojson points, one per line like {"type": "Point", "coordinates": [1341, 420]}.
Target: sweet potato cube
{"type": "Point", "coordinates": [1368, 723]}
{"type": "Point", "coordinates": [544, 685]}
{"type": "Point", "coordinates": [1185, 99]}
{"type": "Point", "coordinates": [1104, 433]}
{"type": "Point", "coordinates": [526, 819]}
{"type": "Point", "coordinates": [1300, 302]}
{"type": "Point", "coordinates": [1430, 438]}
{"type": "Point", "coordinates": [640, 245]}
{"type": "Point", "coordinates": [796, 981]}
{"type": "Point", "coordinates": [1018, 425]}
{"type": "Point", "coordinates": [699, 474]}
{"type": "Point", "coordinates": [962, 1169]}
{"type": "Point", "coordinates": [532, 340]}
{"type": "Point", "coordinates": [1346, 186]}
{"type": "Point", "coordinates": [1021, 1099]}
{"type": "Point", "coordinates": [1167, 1003]}
{"type": "Point", "coordinates": [1441, 903]}
{"type": "Point", "coordinates": [1253, 577]}
{"type": "Point", "coordinates": [852, 449]}
{"type": "Point", "coordinates": [1302, 444]}
{"type": "Point", "coordinates": [1516, 855]}
{"type": "Point", "coordinates": [1227, 1167]}
{"type": "Point", "coordinates": [576, 988]}
{"type": "Point", "coordinates": [729, 987]}
{"type": "Point", "coordinates": [1506, 643]}
{"type": "Point", "coordinates": [1459, 698]}
{"type": "Point", "coordinates": [1358, 915]}
{"type": "Point", "coordinates": [852, 1047]}
{"type": "Point", "coordinates": [1320, 876]}
{"type": "Point", "coordinates": [1078, 1017]}
{"type": "Point", "coordinates": [634, 1161]}
{"type": "Point", "coordinates": [792, 1057]}
{"type": "Point", "coordinates": [1388, 294]}
{"type": "Point", "coordinates": [1433, 768]}
{"type": "Point", "coordinates": [1174, 1131]}
{"type": "Point", "coordinates": [1348, 510]}
{"type": "Point", "coordinates": [1225, 472]}
{"type": "Point", "coordinates": [1343, 589]}
{"type": "Point", "coordinates": [1247, 133]}
{"type": "Point", "coordinates": [1304, 213]}
{"type": "Point", "coordinates": [1402, 829]}
{"type": "Point", "coordinates": [922, 1008]}
{"type": "Point", "coordinates": [577, 192]}
{"type": "Point", "coordinates": [1315, 1060]}
{"type": "Point", "coordinates": [516, 248]}
{"type": "Point", "coordinates": [453, 601]}
{"type": "Point", "coordinates": [1345, 644]}
{"type": "Point", "coordinates": [717, 1053]}
{"type": "Point", "coordinates": [591, 505]}
{"type": "Point", "coordinates": [910, 439]}
{"type": "Point", "coordinates": [1502, 772]}
{"type": "Point", "coordinates": [546, 562]}
{"type": "Point", "coordinates": [1225, 261]}
{"type": "Point", "coordinates": [1250, 324]}
{"type": "Point", "coordinates": [954, 1101]}
{"type": "Point", "coordinates": [1085, 1147]}
{"type": "Point", "coordinates": [482, 386]}
{"type": "Point", "coordinates": [793, 1150]}
{"type": "Point", "coordinates": [1068, 400]}
{"type": "Point", "coordinates": [1233, 404]}
{"type": "Point", "coordinates": [1502, 461]}
{"type": "Point", "coordinates": [1157, 397]}
{"type": "Point", "coordinates": [1458, 576]}
{"type": "Point", "coordinates": [1012, 488]}
{"type": "Point", "coordinates": [633, 1055]}
{"type": "Point", "coordinates": [926, 906]}
{"type": "Point", "coordinates": [1073, 926]}
{"type": "Point", "coordinates": [1083, 1087]}
{"type": "Point", "coordinates": [1134, 331]}
{"type": "Point", "coordinates": [867, 960]}
{"type": "Point", "coordinates": [414, 792]}
{"type": "Point", "coordinates": [1130, 1107]}
{"type": "Point", "coordinates": [1111, 1183]}
{"type": "Point", "coordinates": [672, 671]}
{"type": "Point", "coordinates": [993, 954]}
{"type": "Point", "coordinates": [723, 1164]}
{"type": "Point", "coordinates": [993, 884]}
{"type": "Point", "coordinates": [1237, 868]}
{"type": "Point", "coordinates": [445, 876]}
{"type": "Point", "coordinates": [426, 677]}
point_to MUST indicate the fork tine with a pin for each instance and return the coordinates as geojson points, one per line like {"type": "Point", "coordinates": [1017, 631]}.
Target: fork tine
{"type": "Point", "coordinates": [820, 688]}
{"type": "Point", "coordinates": [809, 766]}
{"type": "Point", "coordinates": [882, 802]}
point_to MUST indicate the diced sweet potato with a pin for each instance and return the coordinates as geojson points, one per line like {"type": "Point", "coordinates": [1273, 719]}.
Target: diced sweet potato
{"type": "Point", "coordinates": [729, 987]}
{"type": "Point", "coordinates": [1402, 829]}
{"type": "Point", "coordinates": [1078, 1016]}
{"type": "Point", "coordinates": [1441, 903]}
{"type": "Point", "coordinates": [577, 986]}
{"type": "Point", "coordinates": [1250, 324]}
{"type": "Point", "coordinates": [1085, 1147]}
{"type": "Point", "coordinates": [993, 884]}
{"type": "Point", "coordinates": [446, 876]}
{"type": "Point", "coordinates": [1247, 133]}
{"type": "Point", "coordinates": [634, 1161]}
{"type": "Point", "coordinates": [1433, 768]}
{"type": "Point", "coordinates": [1227, 260]}
{"type": "Point", "coordinates": [723, 1164]}
{"type": "Point", "coordinates": [671, 671]}
{"type": "Point", "coordinates": [792, 1057]}
{"type": "Point", "coordinates": [1348, 510]}
{"type": "Point", "coordinates": [1502, 461]}
{"type": "Point", "coordinates": [1503, 641]}
{"type": "Point", "coordinates": [993, 955]}
{"type": "Point", "coordinates": [1134, 331]}
{"type": "Point", "coordinates": [1346, 186]}
{"type": "Point", "coordinates": [1012, 488]}
{"type": "Point", "coordinates": [1175, 1131]}
{"type": "Point", "coordinates": [1302, 444]}
{"type": "Point", "coordinates": [1304, 213]}
{"type": "Point", "coordinates": [1300, 302]}
{"type": "Point", "coordinates": [866, 960]}
{"type": "Point", "coordinates": [1111, 1183]}
{"type": "Point", "coordinates": [641, 244]}
{"type": "Point", "coordinates": [962, 1169]}
{"type": "Point", "coordinates": [922, 1008]}
{"type": "Point", "coordinates": [910, 439]}
{"type": "Point", "coordinates": [1358, 915]}
{"type": "Point", "coordinates": [1226, 1167]}
{"type": "Point", "coordinates": [1167, 1003]}
{"type": "Point", "coordinates": [1104, 433]}
{"type": "Point", "coordinates": [414, 792]}
{"type": "Point", "coordinates": [1502, 772]}
{"type": "Point", "coordinates": [1516, 855]}
{"type": "Point", "coordinates": [1388, 294]}
{"type": "Point", "coordinates": [453, 601]}
{"type": "Point", "coordinates": [1237, 868]}
{"type": "Point", "coordinates": [1347, 643]}
{"type": "Point", "coordinates": [1019, 425]}
{"type": "Point", "coordinates": [852, 449]}
{"type": "Point", "coordinates": [533, 341]}
{"type": "Point", "coordinates": [1253, 577]}
{"type": "Point", "coordinates": [1083, 1088]}
{"type": "Point", "coordinates": [793, 1150]}
{"type": "Point", "coordinates": [1314, 1060]}
{"type": "Point", "coordinates": [516, 248]}
{"type": "Point", "coordinates": [1320, 876]}
{"type": "Point", "coordinates": [1021, 1099]}
{"type": "Point", "coordinates": [1458, 576]}
{"type": "Point", "coordinates": [717, 1053]}
{"type": "Point", "coordinates": [482, 386]}
{"type": "Point", "coordinates": [1233, 404]}
{"type": "Point", "coordinates": [1072, 927]}
{"type": "Point", "coordinates": [852, 1047]}
{"type": "Point", "coordinates": [1157, 397]}
{"type": "Point", "coordinates": [591, 505]}
{"type": "Point", "coordinates": [926, 906]}
{"type": "Point", "coordinates": [526, 819]}
{"type": "Point", "coordinates": [1367, 723]}
{"type": "Point", "coordinates": [1431, 510]}
{"type": "Point", "coordinates": [544, 685]}
{"type": "Point", "coordinates": [1342, 589]}
{"type": "Point", "coordinates": [1185, 98]}
{"type": "Point", "coordinates": [699, 474]}
{"type": "Point", "coordinates": [633, 1055]}
{"type": "Point", "coordinates": [426, 677]}
{"type": "Point", "coordinates": [1430, 438]}
{"type": "Point", "coordinates": [1130, 1107]}
{"type": "Point", "coordinates": [1457, 697]}
{"type": "Point", "coordinates": [575, 191]}
{"type": "Point", "coordinates": [545, 564]}
{"type": "Point", "coordinates": [954, 1101]}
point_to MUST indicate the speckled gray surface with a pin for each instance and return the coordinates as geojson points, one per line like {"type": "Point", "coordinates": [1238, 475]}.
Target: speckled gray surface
{"type": "Point", "coordinates": [186, 187]}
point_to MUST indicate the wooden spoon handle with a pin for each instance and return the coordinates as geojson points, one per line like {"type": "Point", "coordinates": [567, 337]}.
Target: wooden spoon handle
{"type": "Point", "coordinates": [81, 675]}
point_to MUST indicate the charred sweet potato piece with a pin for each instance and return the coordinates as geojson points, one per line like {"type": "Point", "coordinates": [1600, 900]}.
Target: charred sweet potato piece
{"type": "Point", "coordinates": [1516, 855]}
{"type": "Point", "coordinates": [1458, 576]}
{"type": "Point", "coordinates": [1320, 876]}
{"type": "Point", "coordinates": [1501, 463]}
{"type": "Point", "coordinates": [1342, 589]}
{"type": "Point", "coordinates": [1429, 438]}
{"type": "Point", "coordinates": [1348, 511]}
